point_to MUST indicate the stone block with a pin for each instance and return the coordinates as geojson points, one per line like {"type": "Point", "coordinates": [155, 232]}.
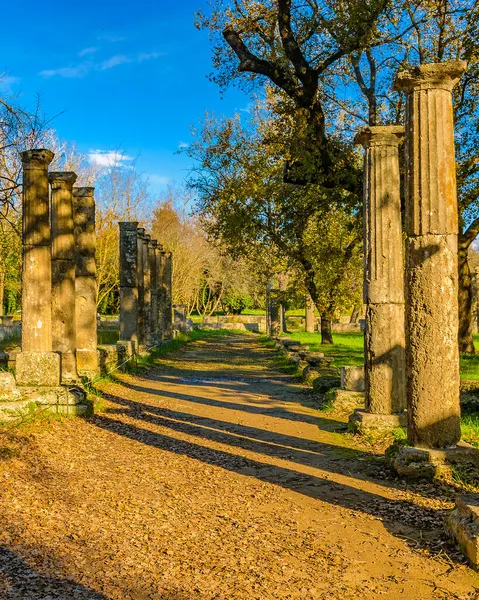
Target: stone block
{"type": "Point", "coordinates": [87, 363]}
{"type": "Point", "coordinates": [416, 463]}
{"type": "Point", "coordinates": [129, 347]}
{"type": "Point", "coordinates": [8, 387]}
{"type": "Point", "coordinates": [463, 526]}
{"type": "Point", "coordinates": [38, 369]}
{"type": "Point", "coordinates": [352, 379]}
{"type": "Point", "coordinates": [325, 383]}
{"type": "Point", "coordinates": [344, 401]}
{"type": "Point", "coordinates": [54, 396]}
{"type": "Point", "coordinates": [362, 420]}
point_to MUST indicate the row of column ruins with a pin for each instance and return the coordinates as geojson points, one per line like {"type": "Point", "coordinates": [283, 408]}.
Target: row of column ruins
{"type": "Point", "coordinates": [145, 288]}
{"type": "Point", "coordinates": [412, 356]}
{"type": "Point", "coordinates": [59, 328]}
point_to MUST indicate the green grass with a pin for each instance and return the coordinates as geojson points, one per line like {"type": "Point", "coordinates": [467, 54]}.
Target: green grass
{"type": "Point", "coordinates": [348, 348]}
{"type": "Point", "coordinates": [470, 429]}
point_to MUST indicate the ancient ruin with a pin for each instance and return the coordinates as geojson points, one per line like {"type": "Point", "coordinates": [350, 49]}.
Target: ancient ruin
{"type": "Point", "coordinates": [146, 316]}
{"type": "Point", "coordinates": [383, 280]}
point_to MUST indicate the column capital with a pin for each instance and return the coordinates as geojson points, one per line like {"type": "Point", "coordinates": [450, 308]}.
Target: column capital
{"type": "Point", "coordinates": [38, 158]}
{"type": "Point", "coordinates": [128, 225]}
{"type": "Point", "coordinates": [62, 179]}
{"type": "Point", "coordinates": [84, 192]}
{"type": "Point", "coordinates": [146, 237]}
{"type": "Point", "coordinates": [154, 244]}
{"type": "Point", "coordinates": [381, 135]}
{"type": "Point", "coordinates": [445, 76]}
{"type": "Point", "coordinates": [141, 232]}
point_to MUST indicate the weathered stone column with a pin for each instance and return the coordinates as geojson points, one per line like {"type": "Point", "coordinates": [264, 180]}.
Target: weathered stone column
{"type": "Point", "coordinates": [129, 282]}
{"type": "Point", "coordinates": [385, 383]}
{"type": "Point", "coordinates": [147, 288]}
{"type": "Point", "coordinates": [85, 281]}
{"type": "Point", "coordinates": [432, 356]}
{"type": "Point", "coordinates": [141, 287]}
{"type": "Point", "coordinates": [152, 253]}
{"type": "Point", "coordinates": [37, 364]}
{"type": "Point", "coordinates": [160, 302]}
{"type": "Point", "coordinates": [309, 315]}
{"type": "Point", "coordinates": [63, 273]}
{"type": "Point", "coordinates": [168, 295]}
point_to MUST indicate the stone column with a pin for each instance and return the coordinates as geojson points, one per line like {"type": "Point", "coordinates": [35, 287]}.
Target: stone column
{"type": "Point", "coordinates": [147, 288]}
{"type": "Point", "coordinates": [152, 253]}
{"type": "Point", "coordinates": [160, 302]}
{"type": "Point", "coordinates": [129, 282]}
{"type": "Point", "coordinates": [36, 364]}
{"type": "Point", "coordinates": [63, 273]}
{"type": "Point", "coordinates": [168, 295]}
{"type": "Point", "coordinates": [432, 355]}
{"type": "Point", "coordinates": [141, 287]}
{"type": "Point", "coordinates": [385, 383]}
{"type": "Point", "coordinates": [309, 315]}
{"type": "Point", "coordinates": [85, 281]}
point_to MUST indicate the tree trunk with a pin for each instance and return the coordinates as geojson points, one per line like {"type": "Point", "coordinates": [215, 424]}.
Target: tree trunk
{"type": "Point", "coordinates": [466, 298]}
{"type": "Point", "coordinates": [2, 290]}
{"type": "Point", "coordinates": [355, 314]}
{"type": "Point", "coordinates": [326, 328]}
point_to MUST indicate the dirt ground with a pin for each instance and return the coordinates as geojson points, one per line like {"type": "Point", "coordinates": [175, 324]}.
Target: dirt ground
{"type": "Point", "coordinates": [212, 477]}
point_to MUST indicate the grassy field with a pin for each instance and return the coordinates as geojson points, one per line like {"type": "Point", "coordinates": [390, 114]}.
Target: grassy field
{"type": "Point", "coordinates": [348, 349]}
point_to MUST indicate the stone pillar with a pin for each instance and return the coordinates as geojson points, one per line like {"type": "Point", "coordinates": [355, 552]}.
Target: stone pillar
{"type": "Point", "coordinates": [432, 355]}
{"type": "Point", "coordinates": [309, 315]}
{"type": "Point", "coordinates": [168, 295]}
{"type": "Point", "coordinates": [160, 298]}
{"type": "Point", "coordinates": [385, 383]}
{"type": "Point", "coordinates": [36, 364]}
{"type": "Point", "coordinates": [147, 288]}
{"type": "Point", "coordinates": [141, 287]}
{"type": "Point", "coordinates": [85, 281]}
{"type": "Point", "coordinates": [129, 282]}
{"type": "Point", "coordinates": [152, 253]}
{"type": "Point", "coordinates": [63, 273]}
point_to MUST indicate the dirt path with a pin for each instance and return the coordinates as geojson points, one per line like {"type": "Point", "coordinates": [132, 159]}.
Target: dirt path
{"type": "Point", "coordinates": [211, 478]}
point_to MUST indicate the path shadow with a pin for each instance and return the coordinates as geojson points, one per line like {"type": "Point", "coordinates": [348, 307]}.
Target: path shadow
{"type": "Point", "coordinates": [275, 411]}
{"type": "Point", "coordinates": [401, 517]}
{"type": "Point", "coordinates": [278, 445]}
{"type": "Point", "coordinates": [18, 581]}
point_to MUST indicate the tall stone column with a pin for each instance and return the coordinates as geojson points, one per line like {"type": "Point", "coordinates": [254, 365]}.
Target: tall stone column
{"type": "Point", "coordinates": [141, 287]}
{"type": "Point", "coordinates": [63, 273]}
{"type": "Point", "coordinates": [309, 315]}
{"type": "Point", "coordinates": [85, 281]}
{"type": "Point", "coordinates": [385, 383]}
{"type": "Point", "coordinates": [168, 295]}
{"type": "Point", "coordinates": [129, 282]}
{"type": "Point", "coordinates": [152, 254]}
{"type": "Point", "coordinates": [37, 364]}
{"type": "Point", "coordinates": [147, 288]}
{"type": "Point", "coordinates": [432, 356]}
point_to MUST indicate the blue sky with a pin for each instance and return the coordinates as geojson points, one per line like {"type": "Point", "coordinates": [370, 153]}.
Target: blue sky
{"type": "Point", "coordinates": [129, 75]}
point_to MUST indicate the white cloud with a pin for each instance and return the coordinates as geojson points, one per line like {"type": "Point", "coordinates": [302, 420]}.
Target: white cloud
{"type": "Point", "coordinates": [148, 56]}
{"type": "Point", "coordinates": [108, 37]}
{"type": "Point", "coordinates": [114, 61]}
{"type": "Point", "coordinates": [85, 68]}
{"type": "Point", "coordinates": [86, 51]}
{"type": "Point", "coordinates": [159, 179]}
{"type": "Point", "coordinates": [7, 82]}
{"type": "Point", "coordinates": [107, 158]}
{"type": "Point", "coordinates": [69, 72]}
{"type": "Point", "coordinates": [183, 145]}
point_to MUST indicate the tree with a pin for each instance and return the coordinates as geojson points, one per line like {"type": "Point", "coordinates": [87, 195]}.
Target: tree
{"type": "Point", "coordinates": [245, 206]}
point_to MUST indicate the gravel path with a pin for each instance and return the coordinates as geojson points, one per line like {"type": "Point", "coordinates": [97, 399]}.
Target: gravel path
{"type": "Point", "coordinates": [212, 478]}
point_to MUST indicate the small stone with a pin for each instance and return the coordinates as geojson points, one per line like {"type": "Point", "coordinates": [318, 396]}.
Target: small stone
{"type": "Point", "coordinates": [352, 379]}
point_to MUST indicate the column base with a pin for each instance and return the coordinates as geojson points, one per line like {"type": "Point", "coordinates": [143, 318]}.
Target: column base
{"type": "Point", "coordinates": [129, 347]}
{"type": "Point", "coordinates": [87, 363]}
{"type": "Point", "coordinates": [38, 369]}
{"type": "Point", "coordinates": [463, 526]}
{"type": "Point", "coordinates": [428, 463]}
{"type": "Point", "coordinates": [362, 420]}
{"type": "Point", "coordinates": [352, 379]}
